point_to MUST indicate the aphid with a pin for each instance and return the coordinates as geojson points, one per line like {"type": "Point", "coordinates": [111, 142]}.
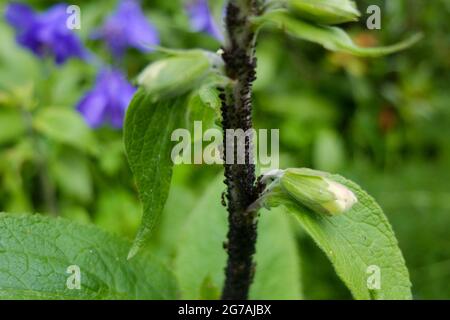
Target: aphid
{"type": "Point", "coordinates": [223, 197]}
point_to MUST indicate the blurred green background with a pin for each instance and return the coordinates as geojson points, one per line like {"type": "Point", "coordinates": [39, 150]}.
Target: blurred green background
{"type": "Point", "coordinates": [384, 123]}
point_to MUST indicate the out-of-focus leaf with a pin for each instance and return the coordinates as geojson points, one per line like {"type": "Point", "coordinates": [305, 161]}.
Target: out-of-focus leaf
{"type": "Point", "coordinates": [65, 82]}
{"type": "Point", "coordinates": [306, 109]}
{"type": "Point", "coordinates": [208, 291]}
{"type": "Point", "coordinates": [74, 213]}
{"type": "Point", "coordinates": [328, 153]}
{"type": "Point", "coordinates": [164, 244]}
{"type": "Point", "coordinates": [332, 38]}
{"type": "Point", "coordinates": [16, 64]}
{"type": "Point", "coordinates": [13, 187]}
{"type": "Point", "coordinates": [36, 252]}
{"type": "Point", "coordinates": [71, 172]}
{"type": "Point", "coordinates": [118, 212]}
{"type": "Point", "coordinates": [65, 126]}
{"type": "Point", "coordinates": [112, 157]}
{"type": "Point", "coordinates": [276, 252]}
{"type": "Point", "coordinates": [277, 273]}
{"type": "Point", "coordinates": [410, 194]}
{"type": "Point", "coordinates": [11, 165]}
{"type": "Point", "coordinates": [325, 11]}
{"type": "Point", "coordinates": [21, 97]}
{"type": "Point", "coordinates": [12, 125]}
{"type": "Point", "coordinates": [302, 116]}
{"type": "Point", "coordinates": [356, 241]}
{"type": "Point", "coordinates": [269, 54]}
{"type": "Point", "coordinates": [148, 129]}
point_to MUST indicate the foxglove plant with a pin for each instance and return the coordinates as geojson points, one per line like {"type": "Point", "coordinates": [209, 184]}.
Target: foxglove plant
{"type": "Point", "coordinates": [324, 204]}
{"type": "Point", "coordinates": [344, 221]}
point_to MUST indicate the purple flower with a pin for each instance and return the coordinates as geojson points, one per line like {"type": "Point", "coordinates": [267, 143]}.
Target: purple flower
{"type": "Point", "coordinates": [108, 100]}
{"type": "Point", "coordinates": [128, 27]}
{"type": "Point", "coordinates": [45, 34]}
{"type": "Point", "coordinates": [201, 19]}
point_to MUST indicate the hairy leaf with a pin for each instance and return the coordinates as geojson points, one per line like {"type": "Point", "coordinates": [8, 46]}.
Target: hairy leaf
{"type": "Point", "coordinates": [39, 257]}
{"type": "Point", "coordinates": [332, 38]}
{"type": "Point", "coordinates": [201, 259]}
{"type": "Point", "coordinates": [147, 133]}
{"type": "Point", "coordinates": [358, 243]}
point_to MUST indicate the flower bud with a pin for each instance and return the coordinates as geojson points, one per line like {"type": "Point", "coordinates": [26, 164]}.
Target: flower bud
{"type": "Point", "coordinates": [325, 11]}
{"type": "Point", "coordinates": [178, 74]}
{"type": "Point", "coordinates": [314, 190]}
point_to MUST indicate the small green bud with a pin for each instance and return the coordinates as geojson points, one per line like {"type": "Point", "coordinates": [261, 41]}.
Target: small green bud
{"type": "Point", "coordinates": [178, 74]}
{"type": "Point", "coordinates": [325, 11]}
{"type": "Point", "coordinates": [314, 190]}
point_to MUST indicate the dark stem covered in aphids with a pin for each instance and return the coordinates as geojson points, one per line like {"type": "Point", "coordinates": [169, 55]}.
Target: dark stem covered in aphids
{"type": "Point", "coordinates": [240, 62]}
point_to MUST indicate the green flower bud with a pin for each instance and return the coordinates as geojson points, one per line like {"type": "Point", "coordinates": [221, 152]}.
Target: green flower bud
{"type": "Point", "coordinates": [314, 190]}
{"type": "Point", "coordinates": [325, 11]}
{"type": "Point", "coordinates": [178, 74]}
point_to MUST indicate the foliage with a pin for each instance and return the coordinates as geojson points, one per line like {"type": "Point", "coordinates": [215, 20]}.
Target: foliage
{"type": "Point", "coordinates": [381, 122]}
{"type": "Point", "coordinates": [37, 253]}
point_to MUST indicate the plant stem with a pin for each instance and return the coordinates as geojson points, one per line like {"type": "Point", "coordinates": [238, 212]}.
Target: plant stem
{"type": "Point", "coordinates": [240, 62]}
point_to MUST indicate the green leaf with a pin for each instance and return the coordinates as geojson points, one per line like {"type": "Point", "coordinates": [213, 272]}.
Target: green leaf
{"type": "Point", "coordinates": [329, 151]}
{"type": "Point", "coordinates": [11, 168]}
{"type": "Point", "coordinates": [325, 11]}
{"type": "Point", "coordinates": [71, 173]}
{"type": "Point", "coordinates": [204, 105]}
{"type": "Point", "coordinates": [278, 274]}
{"type": "Point", "coordinates": [201, 259]}
{"type": "Point", "coordinates": [332, 38]}
{"type": "Point", "coordinates": [12, 125]}
{"type": "Point", "coordinates": [147, 133]}
{"type": "Point", "coordinates": [36, 252]}
{"type": "Point", "coordinates": [65, 126]}
{"type": "Point", "coordinates": [178, 74]}
{"type": "Point", "coordinates": [209, 95]}
{"type": "Point", "coordinates": [118, 212]}
{"type": "Point", "coordinates": [163, 243]}
{"type": "Point", "coordinates": [357, 240]}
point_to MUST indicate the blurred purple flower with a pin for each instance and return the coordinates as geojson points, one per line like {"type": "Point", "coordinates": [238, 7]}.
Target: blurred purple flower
{"type": "Point", "coordinates": [45, 34]}
{"type": "Point", "coordinates": [201, 19]}
{"type": "Point", "coordinates": [108, 100]}
{"type": "Point", "coordinates": [128, 27]}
